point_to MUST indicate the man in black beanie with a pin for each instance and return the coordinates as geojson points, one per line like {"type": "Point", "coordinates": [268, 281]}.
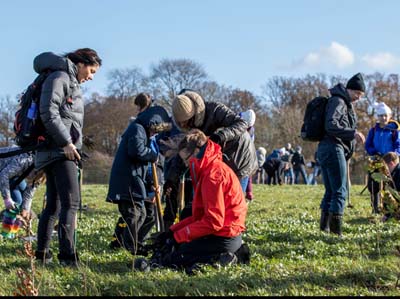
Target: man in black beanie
{"type": "Point", "coordinates": [356, 83]}
{"type": "Point", "coordinates": [336, 148]}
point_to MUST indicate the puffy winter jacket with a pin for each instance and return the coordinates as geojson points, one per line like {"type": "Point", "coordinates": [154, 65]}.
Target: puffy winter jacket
{"type": "Point", "coordinates": [218, 207]}
{"type": "Point", "coordinates": [383, 140]}
{"type": "Point", "coordinates": [237, 146]}
{"type": "Point", "coordinates": [61, 107]}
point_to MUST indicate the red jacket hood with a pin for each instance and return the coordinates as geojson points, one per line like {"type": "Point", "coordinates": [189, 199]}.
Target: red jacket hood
{"type": "Point", "coordinates": [199, 165]}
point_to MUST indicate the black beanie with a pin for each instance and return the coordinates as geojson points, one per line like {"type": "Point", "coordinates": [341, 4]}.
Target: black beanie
{"type": "Point", "coordinates": [356, 83]}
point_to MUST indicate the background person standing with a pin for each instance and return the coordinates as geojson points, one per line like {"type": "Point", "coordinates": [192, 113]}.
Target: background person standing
{"type": "Point", "coordinates": [336, 148]}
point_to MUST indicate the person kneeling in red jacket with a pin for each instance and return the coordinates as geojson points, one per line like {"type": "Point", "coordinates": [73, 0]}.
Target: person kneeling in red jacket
{"type": "Point", "coordinates": [214, 231]}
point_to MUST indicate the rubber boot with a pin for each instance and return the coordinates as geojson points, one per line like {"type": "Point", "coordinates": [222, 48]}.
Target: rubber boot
{"type": "Point", "coordinates": [324, 221]}
{"type": "Point", "coordinates": [335, 223]}
{"type": "Point", "coordinates": [375, 203]}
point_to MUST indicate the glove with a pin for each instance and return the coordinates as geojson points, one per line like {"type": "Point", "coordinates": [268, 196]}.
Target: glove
{"type": "Point", "coordinates": [216, 138]}
{"type": "Point", "coordinates": [9, 204]}
{"type": "Point", "coordinates": [171, 241]}
{"type": "Point", "coordinates": [162, 238]}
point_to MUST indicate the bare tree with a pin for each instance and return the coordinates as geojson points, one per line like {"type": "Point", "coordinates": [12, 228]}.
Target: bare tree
{"type": "Point", "coordinates": [126, 83]}
{"type": "Point", "coordinates": [172, 75]}
{"type": "Point", "coordinates": [106, 120]}
{"type": "Point", "coordinates": [8, 108]}
{"type": "Point", "coordinates": [240, 100]}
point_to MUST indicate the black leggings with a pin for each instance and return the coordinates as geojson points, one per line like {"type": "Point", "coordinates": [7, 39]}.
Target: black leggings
{"type": "Point", "coordinates": [62, 201]}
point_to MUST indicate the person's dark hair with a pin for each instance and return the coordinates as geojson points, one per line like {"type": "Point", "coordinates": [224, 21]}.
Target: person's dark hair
{"type": "Point", "coordinates": [143, 100]}
{"type": "Point", "coordinates": [192, 140]}
{"type": "Point", "coordinates": [86, 56]}
{"type": "Point", "coordinates": [183, 90]}
{"type": "Point", "coordinates": [390, 157]}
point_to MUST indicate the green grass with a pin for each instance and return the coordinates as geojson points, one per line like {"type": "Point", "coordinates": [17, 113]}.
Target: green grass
{"type": "Point", "coordinates": [290, 256]}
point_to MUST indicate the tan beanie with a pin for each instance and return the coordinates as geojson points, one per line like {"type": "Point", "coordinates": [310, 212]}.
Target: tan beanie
{"type": "Point", "coordinates": [182, 108]}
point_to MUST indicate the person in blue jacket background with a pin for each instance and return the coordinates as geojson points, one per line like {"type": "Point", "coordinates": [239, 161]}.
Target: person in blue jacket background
{"type": "Point", "coordinates": [382, 138]}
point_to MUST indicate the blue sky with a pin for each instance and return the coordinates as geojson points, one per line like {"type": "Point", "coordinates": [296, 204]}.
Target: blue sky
{"type": "Point", "coordinates": [239, 43]}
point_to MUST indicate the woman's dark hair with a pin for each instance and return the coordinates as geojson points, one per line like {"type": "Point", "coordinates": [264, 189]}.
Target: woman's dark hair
{"type": "Point", "coordinates": [192, 140]}
{"type": "Point", "coordinates": [143, 100]}
{"type": "Point", "coordinates": [86, 56]}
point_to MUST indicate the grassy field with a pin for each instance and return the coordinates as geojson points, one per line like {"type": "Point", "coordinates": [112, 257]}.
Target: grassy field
{"type": "Point", "coordinates": [290, 256]}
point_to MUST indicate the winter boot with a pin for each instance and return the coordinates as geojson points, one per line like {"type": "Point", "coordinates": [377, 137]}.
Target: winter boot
{"type": "Point", "coordinates": [227, 259]}
{"type": "Point", "coordinates": [44, 257]}
{"type": "Point", "coordinates": [335, 223]}
{"type": "Point", "coordinates": [243, 254]}
{"type": "Point", "coordinates": [375, 203]}
{"type": "Point", "coordinates": [141, 264]}
{"type": "Point", "coordinates": [70, 260]}
{"type": "Point", "coordinates": [324, 221]}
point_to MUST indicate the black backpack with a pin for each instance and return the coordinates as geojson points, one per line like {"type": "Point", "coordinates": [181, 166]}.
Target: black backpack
{"type": "Point", "coordinates": [28, 127]}
{"type": "Point", "coordinates": [314, 119]}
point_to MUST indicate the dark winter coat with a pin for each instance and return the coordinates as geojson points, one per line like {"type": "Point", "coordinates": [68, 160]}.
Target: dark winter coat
{"type": "Point", "coordinates": [340, 120]}
{"type": "Point", "coordinates": [62, 119]}
{"type": "Point", "coordinates": [238, 148]}
{"type": "Point", "coordinates": [274, 168]}
{"type": "Point", "coordinates": [128, 172]}
{"type": "Point", "coordinates": [298, 161]}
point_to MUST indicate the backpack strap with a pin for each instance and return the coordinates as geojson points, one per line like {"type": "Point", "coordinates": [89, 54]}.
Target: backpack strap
{"type": "Point", "coordinates": [23, 150]}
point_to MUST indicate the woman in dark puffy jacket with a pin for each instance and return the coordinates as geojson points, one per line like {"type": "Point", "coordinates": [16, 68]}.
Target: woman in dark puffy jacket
{"type": "Point", "coordinates": [61, 111]}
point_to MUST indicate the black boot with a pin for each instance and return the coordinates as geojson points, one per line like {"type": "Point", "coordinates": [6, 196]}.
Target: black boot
{"type": "Point", "coordinates": [44, 257]}
{"type": "Point", "coordinates": [335, 223]}
{"type": "Point", "coordinates": [243, 254]}
{"type": "Point", "coordinates": [375, 203]}
{"type": "Point", "coordinates": [324, 221]}
{"type": "Point", "coordinates": [70, 260]}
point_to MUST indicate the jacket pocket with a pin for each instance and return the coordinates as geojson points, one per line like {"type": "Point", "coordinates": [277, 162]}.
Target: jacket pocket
{"type": "Point", "coordinates": [138, 188]}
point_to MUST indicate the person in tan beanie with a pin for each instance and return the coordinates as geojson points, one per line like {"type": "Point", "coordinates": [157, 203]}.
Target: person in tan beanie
{"type": "Point", "coordinates": [222, 125]}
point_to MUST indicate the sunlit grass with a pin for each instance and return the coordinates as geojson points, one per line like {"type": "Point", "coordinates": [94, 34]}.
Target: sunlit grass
{"type": "Point", "coordinates": [290, 256]}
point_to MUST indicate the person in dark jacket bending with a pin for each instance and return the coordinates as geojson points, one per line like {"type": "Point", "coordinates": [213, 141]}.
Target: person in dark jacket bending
{"type": "Point", "coordinates": [61, 111]}
{"type": "Point", "coordinates": [336, 148]}
{"type": "Point", "coordinates": [127, 186]}
{"type": "Point", "coordinates": [224, 127]}
{"type": "Point", "coordinates": [275, 169]}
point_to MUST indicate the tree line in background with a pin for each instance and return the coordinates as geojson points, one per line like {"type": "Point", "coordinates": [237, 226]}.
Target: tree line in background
{"type": "Point", "coordinates": [279, 109]}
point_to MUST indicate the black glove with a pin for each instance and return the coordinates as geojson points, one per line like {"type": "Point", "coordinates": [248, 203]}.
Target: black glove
{"type": "Point", "coordinates": [162, 238]}
{"type": "Point", "coordinates": [216, 138]}
{"type": "Point", "coordinates": [171, 241]}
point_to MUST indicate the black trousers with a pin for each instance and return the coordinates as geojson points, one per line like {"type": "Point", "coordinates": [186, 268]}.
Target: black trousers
{"type": "Point", "coordinates": [373, 188]}
{"type": "Point", "coordinates": [202, 250]}
{"type": "Point", "coordinates": [62, 202]}
{"type": "Point", "coordinates": [134, 215]}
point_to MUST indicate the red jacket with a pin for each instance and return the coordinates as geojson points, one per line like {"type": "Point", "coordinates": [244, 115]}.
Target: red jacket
{"type": "Point", "coordinates": [219, 207]}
